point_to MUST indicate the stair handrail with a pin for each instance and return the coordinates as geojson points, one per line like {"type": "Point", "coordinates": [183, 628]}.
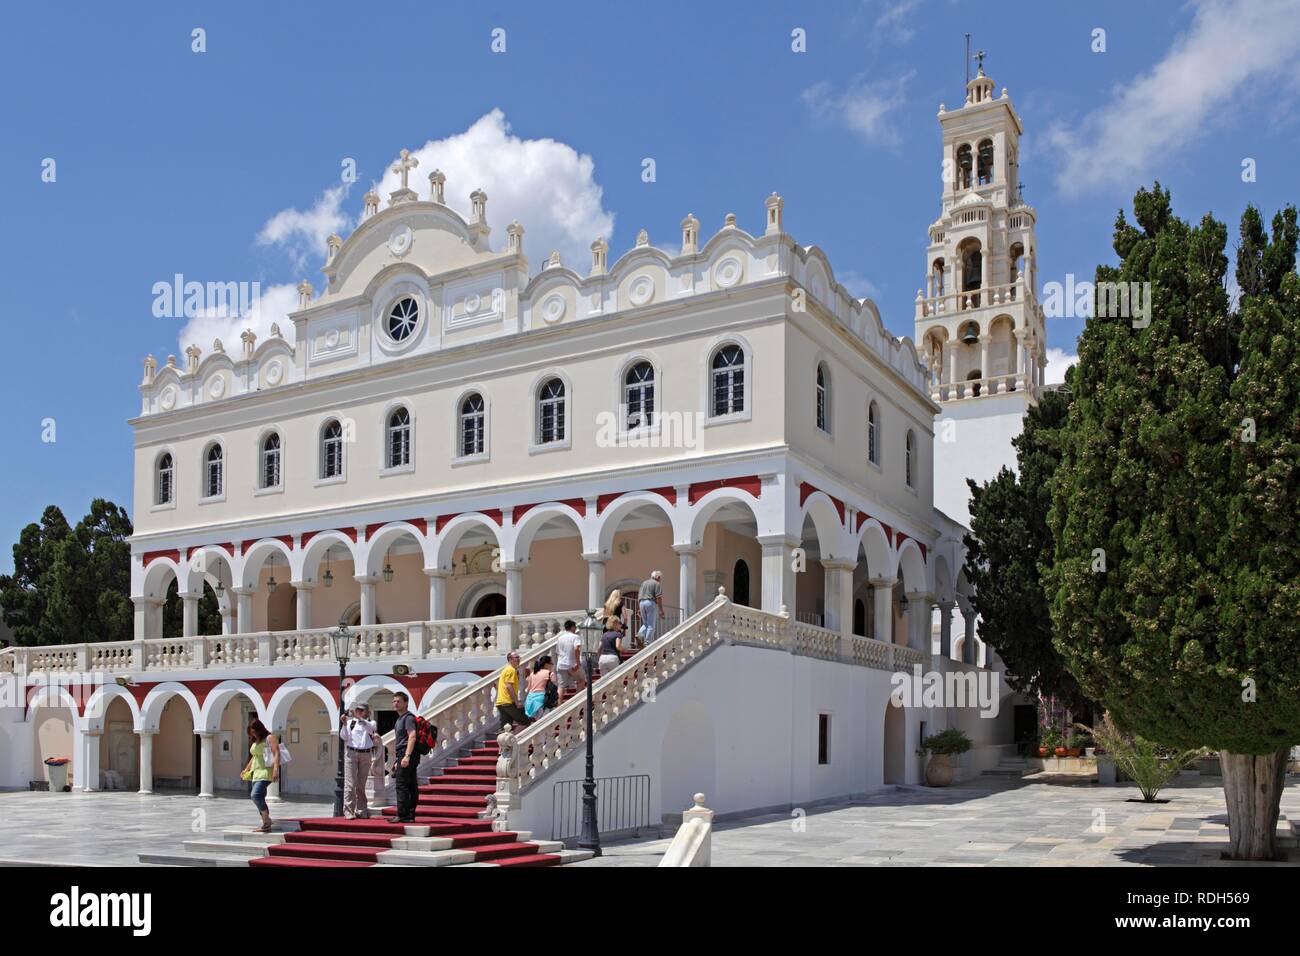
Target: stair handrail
{"type": "Point", "coordinates": [528, 754]}
{"type": "Point", "coordinates": [466, 713]}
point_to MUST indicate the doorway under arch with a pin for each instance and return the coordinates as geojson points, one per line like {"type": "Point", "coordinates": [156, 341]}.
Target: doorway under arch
{"type": "Point", "coordinates": [895, 749]}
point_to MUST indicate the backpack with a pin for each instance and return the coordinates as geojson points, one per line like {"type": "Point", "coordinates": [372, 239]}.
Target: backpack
{"type": "Point", "coordinates": [552, 699]}
{"type": "Point", "coordinates": [426, 736]}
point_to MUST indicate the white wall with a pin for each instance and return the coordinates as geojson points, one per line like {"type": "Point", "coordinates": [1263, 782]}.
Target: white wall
{"type": "Point", "coordinates": [741, 727]}
{"type": "Point", "coordinates": [980, 430]}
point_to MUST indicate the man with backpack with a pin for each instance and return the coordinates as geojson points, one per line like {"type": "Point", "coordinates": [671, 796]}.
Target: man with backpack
{"type": "Point", "coordinates": [405, 758]}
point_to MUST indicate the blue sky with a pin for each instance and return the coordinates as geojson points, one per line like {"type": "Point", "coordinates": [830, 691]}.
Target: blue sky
{"type": "Point", "coordinates": [225, 165]}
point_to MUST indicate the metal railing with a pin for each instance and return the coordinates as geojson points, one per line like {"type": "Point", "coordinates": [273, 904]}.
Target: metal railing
{"type": "Point", "coordinates": [622, 807]}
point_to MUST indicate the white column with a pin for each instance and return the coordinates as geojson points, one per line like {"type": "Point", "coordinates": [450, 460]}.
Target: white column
{"type": "Point", "coordinates": [90, 760]}
{"type": "Point", "coordinates": [141, 622]}
{"type": "Point", "coordinates": [595, 581]}
{"type": "Point", "coordinates": [945, 628]}
{"type": "Point", "coordinates": [205, 763]}
{"type": "Point", "coordinates": [367, 598]}
{"type": "Point", "coordinates": [273, 787]}
{"type": "Point", "coordinates": [778, 573]}
{"type": "Point", "coordinates": [838, 596]}
{"type": "Point", "coordinates": [437, 593]}
{"type": "Point", "coordinates": [146, 761]}
{"type": "Point", "coordinates": [190, 618]}
{"type": "Point", "coordinates": [918, 621]}
{"type": "Point", "coordinates": [303, 593]}
{"type": "Point", "coordinates": [968, 644]}
{"type": "Point", "coordinates": [243, 610]}
{"type": "Point", "coordinates": [883, 602]}
{"type": "Point", "coordinates": [514, 587]}
{"type": "Point", "coordinates": [984, 361]}
{"type": "Point", "coordinates": [687, 561]}
{"type": "Point", "coordinates": [227, 619]}
{"type": "Point", "coordinates": [954, 376]}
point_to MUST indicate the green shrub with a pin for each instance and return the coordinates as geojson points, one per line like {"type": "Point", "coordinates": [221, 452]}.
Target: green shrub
{"type": "Point", "coordinates": [950, 741]}
{"type": "Point", "coordinates": [1149, 765]}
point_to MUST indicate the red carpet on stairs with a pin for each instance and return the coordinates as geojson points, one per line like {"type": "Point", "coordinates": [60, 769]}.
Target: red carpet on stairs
{"type": "Point", "coordinates": [448, 805]}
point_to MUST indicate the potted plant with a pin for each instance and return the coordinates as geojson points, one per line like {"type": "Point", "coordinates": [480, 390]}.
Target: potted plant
{"type": "Point", "coordinates": [1149, 765]}
{"type": "Point", "coordinates": [941, 746]}
{"type": "Point", "coordinates": [1051, 743]}
{"type": "Point", "coordinates": [58, 773]}
{"type": "Point", "coordinates": [1074, 745]}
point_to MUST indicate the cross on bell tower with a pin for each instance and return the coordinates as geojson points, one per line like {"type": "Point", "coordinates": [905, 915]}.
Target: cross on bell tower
{"type": "Point", "coordinates": [405, 163]}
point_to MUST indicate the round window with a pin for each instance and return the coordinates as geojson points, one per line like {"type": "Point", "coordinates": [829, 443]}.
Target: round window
{"type": "Point", "coordinates": [402, 318]}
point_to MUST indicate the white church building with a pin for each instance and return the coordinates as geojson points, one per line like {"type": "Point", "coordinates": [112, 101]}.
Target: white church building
{"type": "Point", "coordinates": [453, 451]}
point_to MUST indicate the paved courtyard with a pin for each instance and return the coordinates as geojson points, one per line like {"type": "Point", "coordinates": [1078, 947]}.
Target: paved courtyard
{"type": "Point", "coordinates": [987, 822]}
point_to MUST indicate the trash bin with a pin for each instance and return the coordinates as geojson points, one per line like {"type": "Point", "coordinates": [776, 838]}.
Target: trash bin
{"type": "Point", "coordinates": [58, 771]}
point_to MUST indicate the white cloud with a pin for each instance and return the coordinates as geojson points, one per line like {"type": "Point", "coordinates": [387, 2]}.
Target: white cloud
{"type": "Point", "coordinates": [858, 285]}
{"type": "Point", "coordinates": [547, 185]}
{"type": "Point", "coordinates": [273, 305]}
{"type": "Point", "coordinates": [895, 19]}
{"type": "Point", "coordinates": [866, 108]}
{"type": "Point", "coordinates": [302, 234]}
{"type": "Point", "coordinates": [1058, 360]}
{"type": "Point", "coordinates": [1231, 45]}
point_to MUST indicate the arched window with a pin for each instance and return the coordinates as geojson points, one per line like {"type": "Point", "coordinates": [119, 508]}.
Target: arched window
{"type": "Point", "coordinates": [740, 583]}
{"type": "Point", "coordinates": [728, 373]}
{"type": "Point", "coordinates": [823, 398]}
{"type": "Point", "coordinates": [909, 468]}
{"type": "Point", "coordinates": [271, 461]}
{"type": "Point", "coordinates": [984, 163]}
{"type": "Point", "coordinates": [472, 420]}
{"type": "Point", "coordinates": [873, 434]}
{"type": "Point", "coordinates": [166, 480]}
{"type": "Point", "coordinates": [399, 438]}
{"type": "Point", "coordinates": [331, 450]}
{"type": "Point", "coordinates": [212, 475]}
{"type": "Point", "coordinates": [550, 412]}
{"type": "Point", "coordinates": [639, 395]}
{"type": "Point", "coordinates": [963, 170]}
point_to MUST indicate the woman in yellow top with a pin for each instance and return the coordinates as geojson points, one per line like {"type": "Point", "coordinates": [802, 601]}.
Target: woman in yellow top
{"type": "Point", "coordinates": [263, 767]}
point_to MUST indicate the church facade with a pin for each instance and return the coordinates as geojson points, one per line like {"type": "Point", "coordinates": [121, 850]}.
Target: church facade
{"type": "Point", "coordinates": [451, 451]}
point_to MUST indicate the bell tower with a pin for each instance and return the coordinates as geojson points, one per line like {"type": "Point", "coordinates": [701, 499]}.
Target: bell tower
{"type": "Point", "coordinates": [979, 327]}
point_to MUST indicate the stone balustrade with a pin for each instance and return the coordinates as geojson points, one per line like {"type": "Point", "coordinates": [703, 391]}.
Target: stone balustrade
{"type": "Point", "coordinates": [528, 754]}
{"type": "Point", "coordinates": [417, 640]}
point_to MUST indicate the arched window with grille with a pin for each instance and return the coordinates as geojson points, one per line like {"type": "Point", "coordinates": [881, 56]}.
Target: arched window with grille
{"type": "Point", "coordinates": [270, 472]}
{"type": "Point", "coordinates": [331, 450]}
{"type": "Point", "coordinates": [472, 425]}
{"type": "Point", "coordinates": [165, 486]}
{"type": "Point", "coordinates": [727, 371]}
{"type": "Point", "coordinates": [399, 438]}
{"type": "Point", "coordinates": [639, 395]}
{"type": "Point", "coordinates": [550, 412]}
{"type": "Point", "coordinates": [213, 474]}
{"type": "Point", "coordinates": [823, 398]}
{"type": "Point", "coordinates": [873, 433]}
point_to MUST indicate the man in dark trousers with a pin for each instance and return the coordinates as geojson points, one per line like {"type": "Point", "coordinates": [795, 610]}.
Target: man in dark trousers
{"type": "Point", "coordinates": [405, 760]}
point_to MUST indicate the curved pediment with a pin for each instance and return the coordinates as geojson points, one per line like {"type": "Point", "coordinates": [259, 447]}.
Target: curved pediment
{"type": "Point", "coordinates": [425, 236]}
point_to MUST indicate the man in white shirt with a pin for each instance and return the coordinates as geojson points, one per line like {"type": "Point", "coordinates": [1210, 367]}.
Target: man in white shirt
{"type": "Point", "coordinates": [568, 659]}
{"type": "Point", "coordinates": [358, 733]}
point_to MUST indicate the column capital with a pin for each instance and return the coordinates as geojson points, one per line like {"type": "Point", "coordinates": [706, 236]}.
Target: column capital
{"type": "Point", "coordinates": [947, 606]}
{"type": "Point", "coordinates": [205, 734]}
{"type": "Point", "coordinates": [926, 596]}
{"type": "Point", "coordinates": [190, 595]}
{"type": "Point", "coordinates": [595, 557]}
{"type": "Point", "coordinates": [777, 540]}
{"type": "Point", "coordinates": [516, 565]}
{"type": "Point", "coordinates": [437, 572]}
{"type": "Point", "coordinates": [243, 592]}
{"type": "Point", "coordinates": [684, 550]}
{"type": "Point", "coordinates": [882, 582]}
{"type": "Point", "coordinates": [146, 733]}
{"type": "Point", "coordinates": [302, 585]}
{"type": "Point", "coordinates": [364, 579]}
{"type": "Point", "coordinates": [838, 564]}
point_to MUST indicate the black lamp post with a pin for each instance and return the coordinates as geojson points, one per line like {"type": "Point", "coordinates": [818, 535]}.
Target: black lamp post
{"type": "Point", "coordinates": [590, 631]}
{"type": "Point", "coordinates": [341, 639]}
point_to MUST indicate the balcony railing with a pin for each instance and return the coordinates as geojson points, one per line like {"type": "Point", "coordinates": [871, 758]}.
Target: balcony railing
{"type": "Point", "coordinates": [415, 640]}
{"type": "Point", "coordinates": [991, 297]}
{"type": "Point", "coordinates": [977, 387]}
